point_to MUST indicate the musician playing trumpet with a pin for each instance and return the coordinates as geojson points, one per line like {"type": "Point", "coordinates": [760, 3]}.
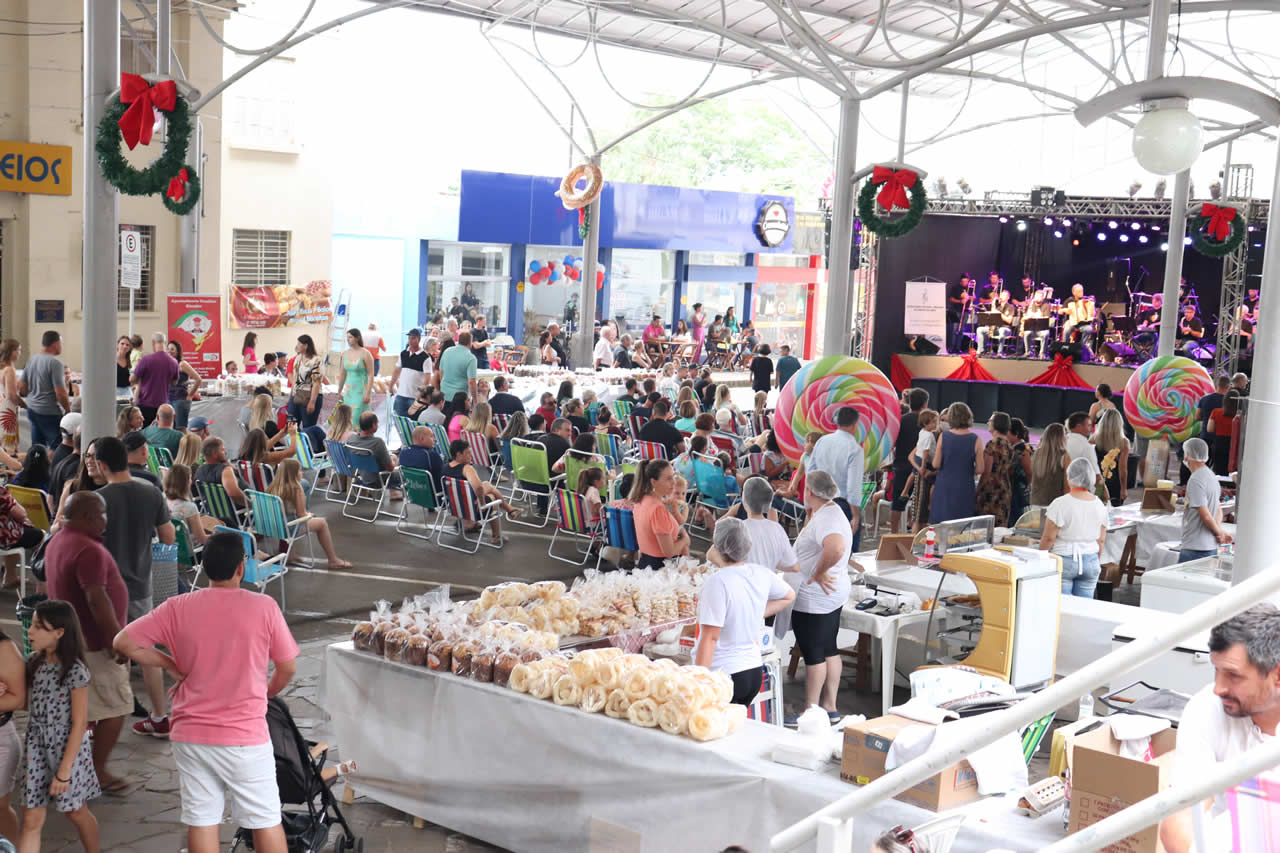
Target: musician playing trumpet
{"type": "Point", "coordinates": [1008, 315]}
{"type": "Point", "coordinates": [1080, 312]}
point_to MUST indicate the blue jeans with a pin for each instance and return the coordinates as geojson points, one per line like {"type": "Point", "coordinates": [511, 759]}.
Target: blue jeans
{"type": "Point", "coordinates": [400, 405]}
{"type": "Point", "coordinates": [181, 413]}
{"type": "Point", "coordinates": [1186, 555]}
{"type": "Point", "coordinates": [298, 411]}
{"type": "Point", "coordinates": [1080, 577]}
{"type": "Point", "coordinates": [44, 429]}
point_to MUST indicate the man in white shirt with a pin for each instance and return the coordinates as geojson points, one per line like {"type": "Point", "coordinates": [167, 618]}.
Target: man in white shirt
{"type": "Point", "coordinates": [1079, 428]}
{"type": "Point", "coordinates": [412, 367]}
{"type": "Point", "coordinates": [1228, 718]}
{"type": "Point", "coordinates": [840, 455]}
{"type": "Point", "coordinates": [603, 352]}
{"type": "Point", "coordinates": [1202, 530]}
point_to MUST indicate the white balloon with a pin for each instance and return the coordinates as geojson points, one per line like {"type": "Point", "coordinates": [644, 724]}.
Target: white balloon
{"type": "Point", "coordinates": [1167, 141]}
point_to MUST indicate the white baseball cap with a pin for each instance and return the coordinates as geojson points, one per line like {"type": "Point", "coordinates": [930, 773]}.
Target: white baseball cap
{"type": "Point", "coordinates": [71, 422]}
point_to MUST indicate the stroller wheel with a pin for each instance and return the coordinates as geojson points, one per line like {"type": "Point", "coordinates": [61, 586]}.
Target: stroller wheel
{"type": "Point", "coordinates": [359, 846]}
{"type": "Point", "coordinates": [340, 846]}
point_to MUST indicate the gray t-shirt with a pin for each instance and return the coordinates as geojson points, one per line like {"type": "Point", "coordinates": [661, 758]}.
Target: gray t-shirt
{"type": "Point", "coordinates": [379, 450]}
{"type": "Point", "coordinates": [44, 374]}
{"type": "Point", "coordinates": [134, 510]}
{"type": "Point", "coordinates": [1202, 491]}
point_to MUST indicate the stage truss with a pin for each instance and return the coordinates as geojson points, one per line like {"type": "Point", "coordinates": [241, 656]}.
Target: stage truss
{"type": "Point", "coordinates": [1238, 190]}
{"type": "Point", "coordinates": [1080, 207]}
{"type": "Point", "coordinates": [866, 278]}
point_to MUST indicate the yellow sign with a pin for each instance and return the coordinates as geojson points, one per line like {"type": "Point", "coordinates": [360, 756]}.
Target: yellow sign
{"type": "Point", "coordinates": [519, 287]}
{"type": "Point", "coordinates": [27, 167]}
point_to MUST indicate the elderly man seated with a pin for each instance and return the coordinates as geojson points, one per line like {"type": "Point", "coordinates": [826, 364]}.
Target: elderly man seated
{"type": "Point", "coordinates": [1238, 712]}
{"type": "Point", "coordinates": [423, 454]}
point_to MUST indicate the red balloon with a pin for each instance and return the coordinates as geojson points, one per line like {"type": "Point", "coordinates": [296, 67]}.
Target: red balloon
{"type": "Point", "coordinates": [599, 278]}
{"type": "Point", "coordinates": [600, 285]}
{"type": "Point", "coordinates": [550, 265]}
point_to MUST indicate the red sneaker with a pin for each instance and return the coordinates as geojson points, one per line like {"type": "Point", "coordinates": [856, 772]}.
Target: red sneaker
{"type": "Point", "coordinates": [151, 727]}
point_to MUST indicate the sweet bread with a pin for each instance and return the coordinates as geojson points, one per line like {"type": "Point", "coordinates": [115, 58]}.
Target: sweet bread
{"type": "Point", "coordinates": [593, 699]}
{"type": "Point", "coordinates": [639, 683]}
{"type": "Point", "coordinates": [566, 691]}
{"type": "Point", "coordinates": [643, 713]}
{"type": "Point", "coordinates": [488, 599]}
{"type": "Point", "coordinates": [508, 595]}
{"type": "Point", "coordinates": [482, 666]}
{"type": "Point", "coordinates": [691, 695]}
{"type": "Point", "coordinates": [440, 656]}
{"type": "Point", "coordinates": [609, 674]}
{"type": "Point", "coordinates": [395, 643]}
{"type": "Point", "coordinates": [723, 686]}
{"type": "Point", "coordinates": [617, 704]}
{"type": "Point", "coordinates": [672, 719]}
{"type": "Point", "coordinates": [665, 686]}
{"type": "Point", "coordinates": [734, 716]}
{"type": "Point", "coordinates": [708, 723]}
{"type": "Point", "coordinates": [543, 683]}
{"type": "Point", "coordinates": [583, 669]}
{"type": "Point", "coordinates": [612, 653]}
{"type": "Point", "coordinates": [362, 636]}
{"type": "Point", "coordinates": [416, 652]}
{"type": "Point", "coordinates": [549, 590]}
{"type": "Point", "coordinates": [521, 676]}
{"type": "Point", "coordinates": [503, 665]}
{"type": "Point", "coordinates": [666, 663]}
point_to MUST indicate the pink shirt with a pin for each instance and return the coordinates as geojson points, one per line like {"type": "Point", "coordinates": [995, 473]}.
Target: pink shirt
{"type": "Point", "coordinates": [222, 639]}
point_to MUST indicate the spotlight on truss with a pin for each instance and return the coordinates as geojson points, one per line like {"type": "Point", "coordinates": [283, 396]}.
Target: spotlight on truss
{"type": "Point", "coordinates": [940, 186]}
{"type": "Point", "coordinates": [1215, 190]}
{"type": "Point", "coordinates": [1134, 187]}
{"type": "Point", "coordinates": [1161, 186]}
{"type": "Point", "coordinates": [964, 186]}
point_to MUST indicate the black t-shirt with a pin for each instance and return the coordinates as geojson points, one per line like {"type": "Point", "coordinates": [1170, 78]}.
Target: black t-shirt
{"type": "Point", "coordinates": [700, 385]}
{"type": "Point", "coordinates": [560, 353]}
{"type": "Point", "coordinates": [1193, 325]}
{"type": "Point", "coordinates": [665, 433]}
{"type": "Point", "coordinates": [956, 291]}
{"type": "Point", "coordinates": [470, 300]}
{"type": "Point", "coordinates": [479, 336]}
{"type": "Point", "coordinates": [122, 376]}
{"type": "Point", "coordinates": [556, 447]}
{"type": "Point", "coordinates": [579, 423]}
{"type": "Point", "coordinates": [622, 358]}
{"type": "Point", "coordinates": [761, 373]}
{"type": "Point", "coordinates": [503, 403]}
{"type": "Point", "coordinates": [908, 434]}
{"type": "Point", "coordinates": [460, 313]}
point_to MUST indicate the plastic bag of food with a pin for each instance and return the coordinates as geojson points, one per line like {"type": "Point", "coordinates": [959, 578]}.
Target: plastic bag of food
{"type": "Point", "coordinates": [482, 664]}
{"type": "Point", "coordinates": [440, 656]}
{"type": "Point", "coordinates": [506, 660]}
{"type": "Point", "coordinates": [416, 652]}
{"type": "Point", "coordinates": [462, 654]}
{"type": "Point", "coordinates": [362, 636]}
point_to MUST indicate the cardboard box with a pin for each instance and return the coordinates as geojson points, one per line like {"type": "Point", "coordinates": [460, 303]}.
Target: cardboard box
{"type": "Point", "coordinates": [866, 745]}
{"type": "Point", "coordinates": [1103, 782]}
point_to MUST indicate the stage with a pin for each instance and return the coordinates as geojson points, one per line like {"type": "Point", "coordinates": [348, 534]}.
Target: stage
{"type": "Point", "coordinates": [1037, 405]}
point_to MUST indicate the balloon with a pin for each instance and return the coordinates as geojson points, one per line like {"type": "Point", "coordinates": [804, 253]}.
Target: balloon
{"type": "Point", "coordinates": [812, 397]}
{"type": "Point", "coordinates": [534, 266]}
{"type": "Point", "coordinates": [568, 260]}
{"type": "Point", "coordinates": [555, 275]}
{"type": "Point", "coordinates": [551, 265]}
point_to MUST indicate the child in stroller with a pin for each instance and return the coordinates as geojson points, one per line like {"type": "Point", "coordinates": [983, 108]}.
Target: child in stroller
{"type": "Point", "coordinates": [302, 778]}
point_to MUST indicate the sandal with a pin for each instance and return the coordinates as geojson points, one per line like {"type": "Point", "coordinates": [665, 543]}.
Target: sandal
{"type": "Point", "coordinates": [340, 564]}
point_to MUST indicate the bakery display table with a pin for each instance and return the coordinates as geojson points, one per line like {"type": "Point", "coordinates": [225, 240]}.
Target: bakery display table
{"type": "Point", "coordinates": [529, 775]}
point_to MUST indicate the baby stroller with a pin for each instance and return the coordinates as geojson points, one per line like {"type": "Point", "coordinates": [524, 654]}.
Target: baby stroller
{"type": "Point", "coordinates": [299, 763]}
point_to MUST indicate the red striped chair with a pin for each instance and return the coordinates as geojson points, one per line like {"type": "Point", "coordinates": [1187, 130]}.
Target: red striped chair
{"type": "Point", "coordinates": [651, 450]}
{"type": "Point", "coordinates": [726, 444]}
{"type": "Point", "coordinates": [257, 476]}
{"type": "Point", "coordinates": [635, 423]}
{"type": "Point", "coordinates": [572, 521]}
{"type": "Point", "coordinates": [461, 502]}
{"type": "Point", "coordinates": [481, 456]}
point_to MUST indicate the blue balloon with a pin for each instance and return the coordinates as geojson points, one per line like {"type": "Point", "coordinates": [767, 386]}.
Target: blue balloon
{"type": "Point", "coordinates": [568, 260]}
{"type": "Point", "coordinates": [555, 275]}
{"type": "Point", "coordinates": [534, 266]}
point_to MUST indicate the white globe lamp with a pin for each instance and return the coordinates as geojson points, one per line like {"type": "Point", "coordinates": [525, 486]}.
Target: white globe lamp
{"type": "Point", "coordinates": [1168, 139]}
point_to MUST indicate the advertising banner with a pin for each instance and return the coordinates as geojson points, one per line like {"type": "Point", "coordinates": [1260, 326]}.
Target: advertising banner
{"type": "Point", "coordinates": [195, 322]}
{"type": "Point", "coordinates": [926, 310]}
{"type": "Point", "coordinates": [281, 305]}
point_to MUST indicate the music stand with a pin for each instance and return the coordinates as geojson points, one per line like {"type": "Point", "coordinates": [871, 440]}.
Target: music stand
{"type": "Point", "coordinates": [1035, 324]}
{"type": "Point", "coordinates": [990, 318]}
{"type": "Point", "coordinates": [1122, 324]}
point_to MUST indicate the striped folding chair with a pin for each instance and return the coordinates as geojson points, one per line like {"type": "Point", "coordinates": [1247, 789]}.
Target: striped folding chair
{"type": "Point", "coordinates": [188, 551]}
{"type": "Point", "coordinates": [619, 531]}
{"type": "Point", "coordinates": [762, 422]}
{"type": "Point", "coordinates": [270, 520]}
{"type": "Point", "coordinates": [651, 450]}
{"type": "Point", "coordinates": [404, 428]}
{"type": "Point", "coordinates": [257, 476]}
{"type": "Point", "coordinates": [572, 521]}
{"type": "Point", "coordinates": [708, 476]}
{"type": "Point", "coordinates": [592, 408]}
{"type": "Point", "coordinates": [460, 501]}
{"type": "Point", "coordinates": [724, 443]}
{"type": "Point", "coordinates": [481, 456]}
{"type": "Point", "coordinates": [310, 461]}
{"type": "Point", "coordinates": [217, 503]}
{"type": "Point", "coordinates": [340, 466]}
{"type": "Point", "coordinates": [635, 423]}
{"type": "Point", "coordinates": [575, 462]}
{"type": "Point", "coordinates": [362, 461]}
{"type": "Point", "coordinates": [257, 572]}
{"type": "Point", "coordinates": [531, 477]}
{"type": "Point", "coordinates": [442, 438]}
{"type": "Point", "coordinates": [419, 491]}
{"type": "Point", "coordinates": [622, 408]}
{"type": "Point", "coordinates": [753, 462]}
{"type": "Point", "coordinates": [609, 446]}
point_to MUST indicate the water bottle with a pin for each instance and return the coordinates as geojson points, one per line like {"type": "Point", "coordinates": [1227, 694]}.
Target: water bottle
{"type": "Point", "coordinates": [1086, 707]}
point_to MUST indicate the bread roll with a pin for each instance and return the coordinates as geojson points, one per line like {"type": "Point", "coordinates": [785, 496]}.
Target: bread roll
{"type": "Point", "coordinates": [672, 719]}
{"type": "Point", "coordinates": [616, 705]}
{"type": "Point", "coordinates": [643, 713]}
{"type": "Point", "coordinates": [566, 691]}
{"type": "Point", "coordinates": [593, 699]}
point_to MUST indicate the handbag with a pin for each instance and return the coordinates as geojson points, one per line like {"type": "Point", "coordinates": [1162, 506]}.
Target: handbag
{"type": "Point", "coordinates": [37, 560]}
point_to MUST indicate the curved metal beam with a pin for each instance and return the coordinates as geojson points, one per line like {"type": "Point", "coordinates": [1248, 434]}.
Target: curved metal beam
{"type": "Point", "coordinates": [591, 136]}
{"type": "Point", "coordinates": [1264, 106]}
{"type": "Point", "coordinates": [819, 48]}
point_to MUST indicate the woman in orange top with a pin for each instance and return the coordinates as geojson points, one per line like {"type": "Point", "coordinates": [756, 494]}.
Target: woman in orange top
{"type": "Point", "coordinates": [659, 514]}
{"type": "Point", "coordinates": [1219, 429]}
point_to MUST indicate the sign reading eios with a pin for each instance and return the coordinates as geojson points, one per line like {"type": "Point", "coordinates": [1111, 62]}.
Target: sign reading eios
{"type": "Point", "coordinates": [28, 167]}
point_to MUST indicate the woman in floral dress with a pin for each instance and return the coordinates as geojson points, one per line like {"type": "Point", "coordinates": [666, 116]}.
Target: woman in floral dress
{"type": "Point", "coordinates": [10, 401]}
{"type": "Point", "coordinates": [995, 490]}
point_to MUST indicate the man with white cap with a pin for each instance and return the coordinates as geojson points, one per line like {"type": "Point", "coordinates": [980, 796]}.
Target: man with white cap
{"type": "Point", "coordinates": [67, 427]}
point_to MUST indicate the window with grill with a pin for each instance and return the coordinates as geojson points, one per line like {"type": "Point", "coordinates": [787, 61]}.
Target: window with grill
{"type": "Point", "coordinates": [259, 258]}
{"type": "Point", "coordinates": [144, 297]}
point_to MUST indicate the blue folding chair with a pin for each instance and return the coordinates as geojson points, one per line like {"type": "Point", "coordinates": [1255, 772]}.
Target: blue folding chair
{"type": "Point", "coordinates": [404, 428]}
{"type": "Point", "coordinates": [340, 466]}
{"type": "Point", "coordinates": [257, 572]}
{"type": "Point", "coordinates": [708, 476]}
{"type": "Point", "coordinates": [362, 461]}
{"type": "Point", "coordinates": [619, 531]}
{"type": "Point", "coordinates": [442, 439]}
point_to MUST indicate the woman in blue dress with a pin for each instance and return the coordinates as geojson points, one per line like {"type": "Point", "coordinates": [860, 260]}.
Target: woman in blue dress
{"type": "Point", "coordinates": [958, 460]}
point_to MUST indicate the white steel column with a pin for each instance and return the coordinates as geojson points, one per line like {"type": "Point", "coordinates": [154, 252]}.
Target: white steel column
{"type": "Point", "coordinates": [839, 319]}
{"type": "Point", "coordinates": [582, 346]}
{"type": "Point", "coordinates": [1173, 262]}
{"type": "Point", "coordinates": [1259, 496]}
{"type": "Point", "coordinates": [100, 248]}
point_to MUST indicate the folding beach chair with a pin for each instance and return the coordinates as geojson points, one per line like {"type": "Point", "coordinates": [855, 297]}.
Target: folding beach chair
{"type": "Point", "coordinates": [572, 521]}
{"type": "Point", "coordinates": [532, 477]}
{"type": "Point", "coordinates": [419, 491]}
{"type": "Point", "coordinates": [256, 476]}
{"type": "Point", "coordinates": [760, 422]}
{"type": "Point", "coordinates": [622, 408]}
{"type": "Point", "coordinates": [610, 446]}
{"type": "Point", "coordinates": [635, 423]}
{"type": "Point", "coordinates": [339, 467]}
{"type": "Point", "coordinates": [592, 409]}
{"type": "Point", "coordinates": [188, 551]}
{"type": "Point", "coordinates": [312, 464]}
{"type": "Point", "coordinates": [709, 479]}
{"type": "Point", "coordinates": [726, 444]}
{"type": "Point", "coordinates": [442, 439]}
{"type": "Point", "coordinates": [404, 428]}
{"type": "Point", "coordinates": [362, 461]}
{"type": "Point", "coordinates": [218, 504]}
{"type": "Point", "coordinates": [462, 504]}
{"type": "Point", "coordinates": [650, 450]}
{"type": "Point", "coordinates": [157, 458]}
{"type": "Point", "coordinates": [36, 505]}
{"type": "Point", "coordinates": [482, 457]}
{"type": "Point", "coordinates": [270, 520]}
{"type": "Point", "coordinates": [619, 531]}
{"type": "Point", "coordinates": [575, 462]}
{"type": "Point", "coordinates": [753, 462]}
{"type": "Point", "coordinates": [257, 572]}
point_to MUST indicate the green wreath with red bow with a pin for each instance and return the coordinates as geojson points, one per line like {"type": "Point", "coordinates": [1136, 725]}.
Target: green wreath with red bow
{"type": "Point", "coordinates": [130, 118]}
{"type": "Point", "coordinates": [1217, 231]}
{"type": "Point", "coordinates": [894, 185]}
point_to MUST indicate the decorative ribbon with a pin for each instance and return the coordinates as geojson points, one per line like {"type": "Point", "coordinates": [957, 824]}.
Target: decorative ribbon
{"type": "Point", "coordinates": [143, 100]}
{"type": "Point", "coordinates": [1060, 373]}
{"type": "Point", "coordinates": [178, 186]}
{"type": "Point", "coordinates": [971, 369]}
{"type": "Point", "coordinates": [896, 183]}
{"type": "Point", "coordinates": [1061, 362]}
{"type": "Point", "coordinates": [1220, 219]}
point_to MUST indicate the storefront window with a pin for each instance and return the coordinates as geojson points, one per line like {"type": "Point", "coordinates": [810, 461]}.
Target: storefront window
{"type": "Point", "coordinates": [641, 284]}
{"type": "Point", "coordinates": [465, 280]}
{"type": "Point", "coordinates": [778, 310]}
{"type": "Point", "coordinates": [715, 297]}
{"type": "Point", "coordinates": [549, 300]}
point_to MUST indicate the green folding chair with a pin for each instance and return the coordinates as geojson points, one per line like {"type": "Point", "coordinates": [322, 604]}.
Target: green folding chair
{"type": "Point", "coordinates": [531, 469]}
{"type": "Point", "coordinates": [442, 439]}
{"type": "Point", "coordinates": [404, 428]}
{"type": "Point", "coordinates": [576, 462]}
{"type": "Point", "coordinates": [419, 491]}
{"type": "Point", "coordinates": [622, 408]}
{"type": "Point", "coordinates": [217, 503]}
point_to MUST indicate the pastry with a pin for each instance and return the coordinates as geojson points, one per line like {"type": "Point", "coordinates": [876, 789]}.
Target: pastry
{"type": "Point", "coordinates": [362, 636]}
{"type": "Point", "coordinates": [617, 704]}
{"type": "Point", "coordinates": [690, 695]}
{"type": "Point", "coordinates": [462, 653]}
{"type": "Point", "coordinates": [521, 676]}
{"type": "Point", "coordinates": [665, 685]}
{"type": "Point", "coordinates": [549, 590]}
{"type": "Point", "coordinates": [380, 632]}
{"type": "Point", "coordinates": [503, 665]}
{"type": "Point", "coordinates": [609, 674]}
{"type": "Point", "coordinates": [708, 723]}
{"type": "Point", "coordinates": [395, 643]}
{"type": "Point", "coordinates": [416, 653]}
{"type": "Point", "coordinates": [643, 713]}
{"type": "Point", "coordinates": [440, 656]}
{"type": "Point", "coordinates": [508, 595]}
{"type": "Point", "coordinates": [530, 655]}
{"type": "Point", "coordinates": [666, 663]}
{"type": "Point", "coordinates": [482, 666]}
{"type": "Point", "coordinates": [566, 691]}
{"type": "Point", "coordinates": [639, 683]}
{"type": "Point", "coordinates": [672, 719]}
{"type": "Point", "coordinates": [734, 716]}
{"type": "Point", "coordinates": [723, 685]}
{"type": "Point", "coordinates": [543, 683]}
{"type": "Point", "coordinates": [593, 699]}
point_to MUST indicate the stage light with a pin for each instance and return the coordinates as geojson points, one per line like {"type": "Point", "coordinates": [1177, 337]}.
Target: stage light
{"type": "Point", "coordinates": [1124, 238]}
{"type": "Point", "coordinates": [1066, 221]}
{"type": "Point", "coordinates": [1134, 187]}
{"type": "Point", "coordinates": [1057, 234]}
{"type": "Point", "coordinates": [1075, 242]}
{"type": "Point", "coordinates": [1135, 226]}
{"type": "Point", "coordinates": [1186, 241]}
{"type": "Point", "coordinates": [1142, 238]}
{"type": "Point", "coordinates": [1048, 220]}
{"type": "Point", "coordinates": [1253, 228]}
{"type": "Point", "coordinates": [1160, 188]}
{"type": "Point", "coordinates": [1168, 139]}
{"type": "Point", "coordinates": [1113, 225]}
{"type": "Point", "coordinates": [1155, 227]}
{"type": "Point", "coordinates": [1004, 219]}
{"type": "Point", "coordinates": [1102, 235]}
{"type": "Point", "coordinates": [1164, 247]}
{"type": "Point", "coordinates": [1022, 225]}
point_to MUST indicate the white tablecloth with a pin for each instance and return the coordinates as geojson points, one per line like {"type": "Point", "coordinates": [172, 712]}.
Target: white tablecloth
{"type": "Point", "coordinates": [529, 775]}
{"type": "Point", "coordinates": [1153, 528]}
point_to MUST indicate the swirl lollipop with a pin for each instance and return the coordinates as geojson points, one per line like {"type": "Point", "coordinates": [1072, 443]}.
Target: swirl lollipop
{"type": "Point", "coordinates": [1160, 397]}
{"type": "Point", "coordinates": [811, 398]}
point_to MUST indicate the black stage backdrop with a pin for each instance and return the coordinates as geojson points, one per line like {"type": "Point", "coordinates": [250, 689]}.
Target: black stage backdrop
{"type": "Point", "coordinates": [946, 247]}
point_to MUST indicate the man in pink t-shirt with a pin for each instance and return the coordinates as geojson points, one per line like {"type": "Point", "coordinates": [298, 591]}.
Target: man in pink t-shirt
{"type": "Point", "coordinates": [221, 639]}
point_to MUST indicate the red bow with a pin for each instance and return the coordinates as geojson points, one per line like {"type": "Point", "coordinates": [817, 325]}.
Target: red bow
{"type": "Point", "coordinates": [178, 186]}
{"type": "Point", "coordinates": [1061, 360]}
{"type": "Point", "coordinates": [896, 184]}
{"type": "Point", "coordinates": [143, 100]}
{"type": "Point", "coordinates": [971, 356]}
{"type": "Point", "coordinates": [1220, 219]}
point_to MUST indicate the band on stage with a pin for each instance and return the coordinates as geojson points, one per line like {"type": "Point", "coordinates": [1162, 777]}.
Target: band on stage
{"type": "Point", "coordinates": [1030, 320]}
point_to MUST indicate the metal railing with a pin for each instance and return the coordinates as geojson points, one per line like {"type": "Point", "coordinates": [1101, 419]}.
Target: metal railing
{"type": "Point", "coordinates": [990, 727]}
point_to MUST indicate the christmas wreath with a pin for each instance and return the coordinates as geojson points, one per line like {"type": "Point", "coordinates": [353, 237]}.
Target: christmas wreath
{"type": "Point", "coordinates": [894, 186]}
{"type": "Point", "coordinates": [1216, 231]}
{"type": "Point", "coordinates": [130, 118]}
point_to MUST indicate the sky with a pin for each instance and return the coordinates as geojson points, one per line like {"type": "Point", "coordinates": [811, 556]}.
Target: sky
{"type": "Point", "coordinates": [433, 87]}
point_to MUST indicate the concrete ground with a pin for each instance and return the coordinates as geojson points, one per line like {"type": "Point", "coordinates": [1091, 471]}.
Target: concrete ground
{"type": "Point", "coordinates": [322, 606]}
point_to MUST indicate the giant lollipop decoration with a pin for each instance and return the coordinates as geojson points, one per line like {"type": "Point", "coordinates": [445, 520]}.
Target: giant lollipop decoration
{"type": "Point", "coordinates": [811, 398]}
{"type": "Point", "coordinates": [1161, 397]}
